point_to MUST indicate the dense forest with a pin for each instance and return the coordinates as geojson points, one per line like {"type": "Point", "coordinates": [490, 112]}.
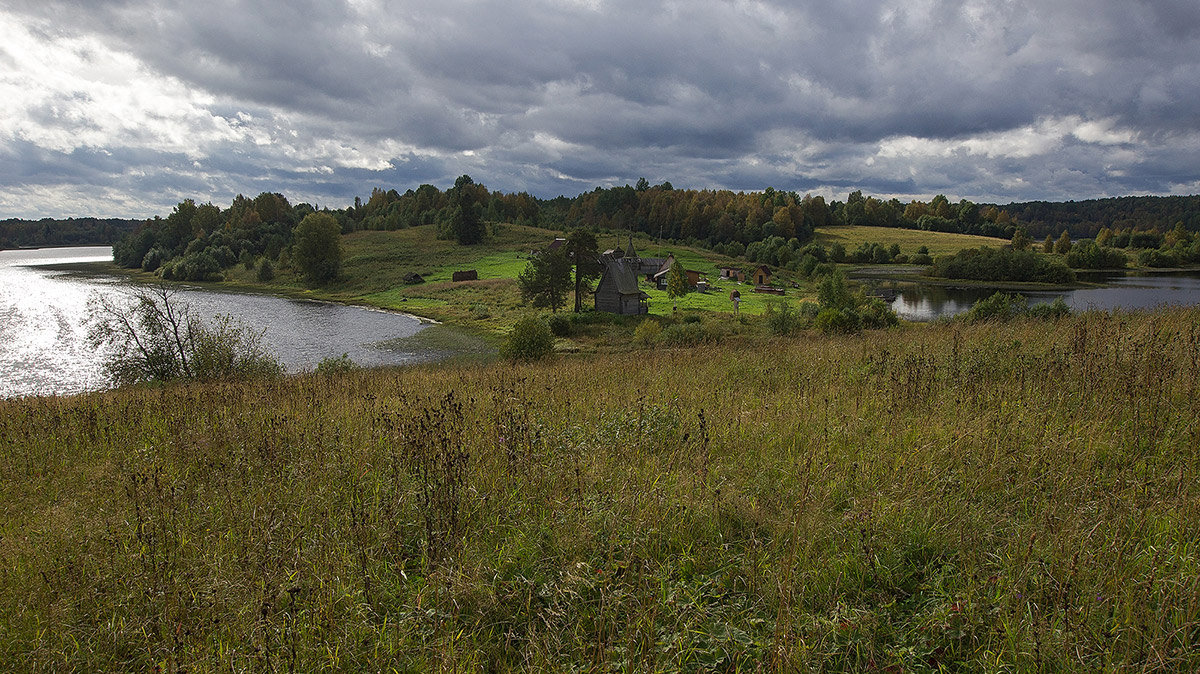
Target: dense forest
{"type": "Point", "coordinates": [16, 233]}
{"type": "Point", "coordinates": [729, 221]}
{"type": "Point", "coordinates": [1085, 219]}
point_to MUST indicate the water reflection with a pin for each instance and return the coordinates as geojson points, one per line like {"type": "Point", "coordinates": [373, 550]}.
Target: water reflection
{"type": "Point", "coordinates": [920, 302]}
{"type": "Point", "coordinates": [43, 333]}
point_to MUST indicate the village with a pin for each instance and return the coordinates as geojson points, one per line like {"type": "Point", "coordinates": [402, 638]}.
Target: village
{"type": "Point", "coordinates": [626, 275]}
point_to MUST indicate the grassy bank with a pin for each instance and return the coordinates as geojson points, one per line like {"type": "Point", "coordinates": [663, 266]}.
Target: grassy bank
{"type": "Point", "coordinates": [1011, 497]}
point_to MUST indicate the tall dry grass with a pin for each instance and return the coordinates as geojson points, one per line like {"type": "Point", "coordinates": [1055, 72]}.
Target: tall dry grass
{"type": "Point", "coordinates": [1013, 497]}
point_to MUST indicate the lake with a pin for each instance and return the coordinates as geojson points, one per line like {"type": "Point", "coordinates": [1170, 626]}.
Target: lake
{"type": "Point", "coordinates": [922, 302]}
{"type": "Point", "coordinates": [43, 324]}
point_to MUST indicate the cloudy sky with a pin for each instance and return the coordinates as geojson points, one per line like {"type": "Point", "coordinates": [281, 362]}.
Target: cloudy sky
{"type": "Point", "coordinates": [124, 107]}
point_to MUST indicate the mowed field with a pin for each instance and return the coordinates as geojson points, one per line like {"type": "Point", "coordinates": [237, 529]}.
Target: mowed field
{"type": "Point", "coordinates": [909, 240]}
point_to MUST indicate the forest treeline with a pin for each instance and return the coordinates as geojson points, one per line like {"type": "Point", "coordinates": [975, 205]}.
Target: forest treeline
{"type": "Point", "coordinates": [197, 241]}
{"type": "Point", "coordinates": [720, 219]}
{"type": "Point", "coordinates": [1085, 219]}
{"type": "Point", "coordinates": [15, 232]}
{"type": "Point", "coordinates": [729, 221]}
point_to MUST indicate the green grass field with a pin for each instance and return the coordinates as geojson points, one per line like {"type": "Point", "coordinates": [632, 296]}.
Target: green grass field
{"type": "Point", "coordinates": [498, 262]}
{"type": "Point", "coordinates": [909, 240]}
{"type": "Point", "coordinates": [377, 261]}
{"type": "Point", "coordinates": [1015, 497]}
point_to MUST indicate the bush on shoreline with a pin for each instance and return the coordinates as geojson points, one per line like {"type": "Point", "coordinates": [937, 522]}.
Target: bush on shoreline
{"type": "Point", "coordinates": [1004, 307]}
{"type": "Point", "coordinates": [1001, 264]}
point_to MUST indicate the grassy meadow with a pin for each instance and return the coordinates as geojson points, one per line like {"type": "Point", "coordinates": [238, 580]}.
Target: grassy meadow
{"type": "Point", "coordinates": [909, 240]}
{"type": "Point", "coordinates": [377, 261]}
{"type": "Point", "coordinates": [1015, 497]}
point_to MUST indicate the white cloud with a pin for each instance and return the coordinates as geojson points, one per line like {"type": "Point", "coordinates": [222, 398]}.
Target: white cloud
{"type": "Point", "coordinates": [1020, 98]}
{"type": "Point", "coordinates": [64, 93]}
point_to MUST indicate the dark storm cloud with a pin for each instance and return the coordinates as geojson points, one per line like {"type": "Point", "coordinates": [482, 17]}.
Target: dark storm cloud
{"type": "Point", "coordinates": [987, 100]}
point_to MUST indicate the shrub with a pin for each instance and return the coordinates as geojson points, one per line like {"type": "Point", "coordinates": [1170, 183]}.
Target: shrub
{"type": "Point", "coordinates": [1003, 307]}
{"type": "Point", "coordinates": [647, 332]}
{"type": "Point", "coordinates": [807, 265]}
{"type": "Point", "coordinates": [1156, 258]}
{"type": "Point", "coordinates": [1087, 254]}
{"type": "Point", "coordinates": [154, 337]}
{"type": "Point", "coordinates": [837, 253]}
{"type": "Point", "coordinates": [832, 320]}
{"type": "Point", "coordinates": [832, 292]}
{"type": "Point", "coordinates": [529, 339]}
{"type": "Point", "coordinates": [685, 334]}
{"type": "Point", "coordinates": [782, 319]}
{"type": "Point", "coordinates": [1001, 264]}
{"type": "Point", "coordinates": [844, 311]}
{"type": "Point", "coordinates": [825, 269]}
{"type": "Point", "coordinates": [154, 259]}
{"type": "Point", "coordinates": [197, 267]}
{"type": "Point", "coordinates": [228, 350]}
{"type": "Point", "coordinates": [1052, 311]}
{"type": "Point", "coordinates": [559, 325]}
{"type": "Point", "coordinates": [265, 271]}
{"type": "Point", "coordinates": [336, 365]}
{"type": "Point", "coordinates": [875, 314]}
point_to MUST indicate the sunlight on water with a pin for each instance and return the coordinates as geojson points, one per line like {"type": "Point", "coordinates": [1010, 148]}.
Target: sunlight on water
{"type": "Point", "coordinates": [43, 330]}
{"type": "Point", "coordinates": [43, 339]}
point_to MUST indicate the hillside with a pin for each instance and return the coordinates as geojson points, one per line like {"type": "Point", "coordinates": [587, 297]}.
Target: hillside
{"type": "Point", "coordinates": [909, 240]}
{"type": "Point", "coordinates": [1019, 497]}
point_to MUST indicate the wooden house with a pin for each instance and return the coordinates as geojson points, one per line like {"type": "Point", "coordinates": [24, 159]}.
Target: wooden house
{"type": "Point", "coordinates": [618, 292]}
{"type": "Point", "coordinates": [761, 276]}
{"type": "Point", "coordinates": [660, 277]}
{"type": "Point", "coordinates": [733, 274]}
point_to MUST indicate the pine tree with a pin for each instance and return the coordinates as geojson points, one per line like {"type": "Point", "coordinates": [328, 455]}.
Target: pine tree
{"type": "Point", "coordinates": [546, 280]}
{"type": "Point", "coordinates": [1064, 243]}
